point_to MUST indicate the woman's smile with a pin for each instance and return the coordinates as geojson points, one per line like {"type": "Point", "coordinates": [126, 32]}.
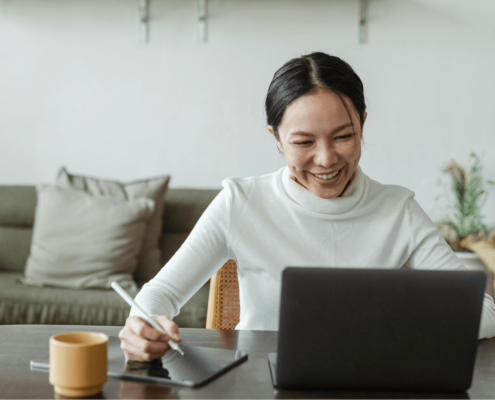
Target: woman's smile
{"type": "Point", "coordinates": [327, 176]}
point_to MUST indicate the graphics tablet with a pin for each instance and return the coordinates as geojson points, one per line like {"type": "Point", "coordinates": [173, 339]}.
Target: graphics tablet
{"type": "Point", "coordinates": [198, 366]}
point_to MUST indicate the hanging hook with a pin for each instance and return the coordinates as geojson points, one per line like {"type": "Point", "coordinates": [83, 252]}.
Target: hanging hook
{"type": "Point", "coordinates": [143, 33]}
{"type": "Point", "coordinates": [363, 21]}
{"type": "Point", "coordinates": [201, 21]}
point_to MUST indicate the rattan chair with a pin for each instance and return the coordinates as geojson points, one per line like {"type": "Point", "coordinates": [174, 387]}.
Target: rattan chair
{"type": "Point", "coordinates": [223, 302]}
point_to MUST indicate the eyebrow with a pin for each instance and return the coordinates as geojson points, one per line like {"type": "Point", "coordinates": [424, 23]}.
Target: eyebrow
{"type": "Point", "coordinates": [339, 128]}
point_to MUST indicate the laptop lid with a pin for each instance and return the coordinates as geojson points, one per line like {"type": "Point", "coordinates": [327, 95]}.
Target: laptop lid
{"type": "Point", "coordinates": [378, 328]}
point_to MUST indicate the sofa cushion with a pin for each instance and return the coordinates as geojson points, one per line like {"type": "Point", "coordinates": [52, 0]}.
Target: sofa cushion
{"type": "Point", "coordinates": [17, 205]}
{"type": "Point", "coordinates": [149, 259]}
{"type": "Point", "coordinates": [81, 241]}
{"type": "Point", "coordinates": [184, 207]}
{"type": "Point", "coordinates": [14, 247]}
{"type": "Point", "coordinates": [170, 243]}
{"type": "Point", "coordinates": [20, 304]}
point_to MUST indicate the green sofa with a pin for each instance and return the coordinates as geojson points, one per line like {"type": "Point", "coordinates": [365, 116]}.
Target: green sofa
{"type": "Point", "coordinates": [21, 304]}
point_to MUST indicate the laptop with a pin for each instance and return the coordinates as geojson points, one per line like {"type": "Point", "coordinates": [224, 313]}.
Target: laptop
{"type": "Point", "coordinates": [377, 329]}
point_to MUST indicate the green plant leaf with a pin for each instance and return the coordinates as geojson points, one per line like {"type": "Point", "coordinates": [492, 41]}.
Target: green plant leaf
{"type": "Point", "coordinates": [468, 194]}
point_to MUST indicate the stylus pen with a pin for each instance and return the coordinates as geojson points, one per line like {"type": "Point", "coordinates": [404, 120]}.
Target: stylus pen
{"type": "Point", "coordinates": [145, 316]}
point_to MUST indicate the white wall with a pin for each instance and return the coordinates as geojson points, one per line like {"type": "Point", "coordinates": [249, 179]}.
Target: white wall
{"type": "Point", "coordinates": [77, 90]}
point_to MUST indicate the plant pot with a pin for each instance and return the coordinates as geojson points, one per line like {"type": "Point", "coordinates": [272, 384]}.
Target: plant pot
{"type": "Point", "coordinates": [473, 263]}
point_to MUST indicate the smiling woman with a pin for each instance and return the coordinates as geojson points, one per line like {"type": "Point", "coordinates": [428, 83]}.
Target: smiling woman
{"type": "Point", "coordinates": [319, 210]}
{"type": "Point", "coordinates": [321, 146]}
{"type": "Point", "coordinates": [316, 110]}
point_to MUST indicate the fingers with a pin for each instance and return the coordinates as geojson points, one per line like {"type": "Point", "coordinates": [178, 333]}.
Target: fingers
{"type": "Point", "coordinates": [141, 342]}
{"type": "Point", "coordinates": [144, 330]}
{"type": "Point", "coordinates": [170, 327]}
{"type": "Point", "coordinates": [139, 349]}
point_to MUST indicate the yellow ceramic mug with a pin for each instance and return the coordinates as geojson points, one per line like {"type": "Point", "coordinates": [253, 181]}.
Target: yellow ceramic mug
{"type": "Point", "coordinates": [78, 363]}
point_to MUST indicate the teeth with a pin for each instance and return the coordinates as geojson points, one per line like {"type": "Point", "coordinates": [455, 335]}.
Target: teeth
{"type": "Point", "coordinates": [327, 176]}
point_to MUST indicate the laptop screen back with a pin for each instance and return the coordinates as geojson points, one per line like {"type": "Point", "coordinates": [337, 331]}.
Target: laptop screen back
{"type": "Point", "coordinates": [378, 328]}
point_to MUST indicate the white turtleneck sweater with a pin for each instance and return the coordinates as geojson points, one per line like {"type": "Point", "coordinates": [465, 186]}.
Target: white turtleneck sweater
{"type": "Point", "coordinates": [269, 222]}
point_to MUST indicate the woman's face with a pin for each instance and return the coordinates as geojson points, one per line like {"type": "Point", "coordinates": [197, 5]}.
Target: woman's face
{"type": "Point", "coordinates": [321, 148]}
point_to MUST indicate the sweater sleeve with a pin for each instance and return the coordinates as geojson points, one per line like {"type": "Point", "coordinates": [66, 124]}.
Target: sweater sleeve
{"type": "Point", "coordinates": [431, 251]}
{"type": "Point", "coordinates": [204, 252]}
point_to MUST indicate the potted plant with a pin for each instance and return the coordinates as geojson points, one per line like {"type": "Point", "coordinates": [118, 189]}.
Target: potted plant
{"type": "Point", "coordinates": [464, 230]}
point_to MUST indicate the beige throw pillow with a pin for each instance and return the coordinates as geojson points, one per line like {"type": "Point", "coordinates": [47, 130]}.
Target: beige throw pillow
{"type": "Point", "coordinates": [149, 260]}
{"type": "Point", "coordinates": [81, 241]}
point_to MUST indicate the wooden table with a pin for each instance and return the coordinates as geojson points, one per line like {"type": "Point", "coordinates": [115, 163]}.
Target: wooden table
{"type": "Point", "coordinates": [21, 343]}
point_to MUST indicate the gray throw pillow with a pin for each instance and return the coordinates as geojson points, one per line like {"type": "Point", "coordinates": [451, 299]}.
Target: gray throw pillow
{"type": "Point", "coordinates": [81, 241]}
{"type": "Point", "coordinates": [149, 260]}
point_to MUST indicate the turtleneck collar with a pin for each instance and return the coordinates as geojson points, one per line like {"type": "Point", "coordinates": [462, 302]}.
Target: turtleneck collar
{"type": "Point", "coordinates": [311, 202]}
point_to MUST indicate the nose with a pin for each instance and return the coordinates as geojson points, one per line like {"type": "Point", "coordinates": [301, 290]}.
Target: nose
{"type": "Point", "coordinates": [326, 156]}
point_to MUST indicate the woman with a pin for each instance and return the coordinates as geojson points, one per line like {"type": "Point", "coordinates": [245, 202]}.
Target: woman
{"type": "Point", "coordinates": [320, 210]}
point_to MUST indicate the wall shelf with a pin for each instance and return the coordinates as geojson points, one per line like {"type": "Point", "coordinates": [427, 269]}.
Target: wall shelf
{"type": "Point", "coordinates": [201, 5]}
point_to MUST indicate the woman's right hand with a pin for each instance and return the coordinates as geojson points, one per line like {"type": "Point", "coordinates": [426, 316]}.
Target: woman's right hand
{"type": "Point", "coordinates": [141, 342]}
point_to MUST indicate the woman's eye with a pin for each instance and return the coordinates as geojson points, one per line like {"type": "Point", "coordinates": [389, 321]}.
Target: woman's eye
{"type": "Point", "coordinates": [302, 143]}
{"type": "Point", "coordinates": [345, 136]}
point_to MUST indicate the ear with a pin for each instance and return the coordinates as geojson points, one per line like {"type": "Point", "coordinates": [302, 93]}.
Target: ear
{"type": "Point", "coordinates": [279, 145]}
{"type": "Point", "coordinates": [365, 115]}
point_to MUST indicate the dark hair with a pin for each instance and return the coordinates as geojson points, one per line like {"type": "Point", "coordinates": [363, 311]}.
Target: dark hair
{"type": "Point", "coordinates": [312, 72]}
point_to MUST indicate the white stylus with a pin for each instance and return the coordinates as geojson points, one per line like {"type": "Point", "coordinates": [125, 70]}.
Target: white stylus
{"type": "Point", "coordinates": [145, 316]}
